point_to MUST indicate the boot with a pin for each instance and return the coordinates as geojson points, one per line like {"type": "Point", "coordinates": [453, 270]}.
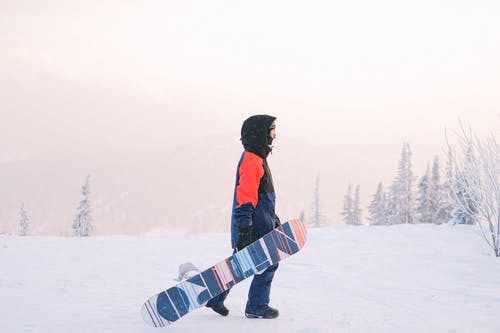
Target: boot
{"type": "Point", "coordinates": [221, 309]}
{"type": "Point", "coordinates": [268, 313]}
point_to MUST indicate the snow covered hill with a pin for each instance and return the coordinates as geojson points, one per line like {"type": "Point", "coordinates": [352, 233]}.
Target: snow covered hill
{"type": "Point", "coordinates": [407, 278]}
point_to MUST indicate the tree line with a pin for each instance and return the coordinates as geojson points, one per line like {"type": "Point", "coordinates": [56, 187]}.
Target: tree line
{"type": "Point", "coordinates": [82, 223]}
{"type": "Point", "coordinates": [468, 194]}
{"type": "Point", "coordinates": [409, 199]}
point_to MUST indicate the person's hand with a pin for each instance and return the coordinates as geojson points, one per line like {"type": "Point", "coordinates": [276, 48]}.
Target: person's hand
{"type": "Point", "coordinates": [245, 237]}
{"type": "Point", "coordinates": [277, 222]}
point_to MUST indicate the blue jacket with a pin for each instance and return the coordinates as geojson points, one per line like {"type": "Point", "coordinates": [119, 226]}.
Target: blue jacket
{"type": "Point", "coordinates": [254, 197]}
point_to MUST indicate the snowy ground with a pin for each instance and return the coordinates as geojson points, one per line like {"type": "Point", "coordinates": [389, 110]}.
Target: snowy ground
{"type": "Point", "coordinates": [409, 278]}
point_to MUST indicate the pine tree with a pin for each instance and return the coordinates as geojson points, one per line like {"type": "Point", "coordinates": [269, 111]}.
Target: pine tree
{"type": "Point", "coordinates": [435, 191]}
{"type": "Point", "coordinates": [317, 215]}
{"type": "Point", "coordinates": [356, 208]}
{"type": "Point", "coordinates": [424, 214]}
{"type": "Point", "coordinates": [464, 179]}
{"type": "Point", "coordinates": [82, 223]}
{"type": "Point", "coordinates": [347, 212]}
{"type": "Point", "coordinates": [24, 222]}
{"type": "Point", "coordinates": [401, 203]}
{"type": "Point", "coordinates": [446, 206]}
{"type": "Point", "coordinates": [410, 212]}
{"type": "Point", "coordinates": [302, 216]}
{"type": "Point", "coordinates": [377, 208]}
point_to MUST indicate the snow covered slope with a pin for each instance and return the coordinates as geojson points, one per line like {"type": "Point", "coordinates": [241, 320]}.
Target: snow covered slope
{"type": "Point", "coordinates": [408, 278]}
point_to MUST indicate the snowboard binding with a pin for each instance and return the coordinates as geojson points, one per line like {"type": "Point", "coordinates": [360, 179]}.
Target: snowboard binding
{"type": "Point", "coordinates": [186, 271]}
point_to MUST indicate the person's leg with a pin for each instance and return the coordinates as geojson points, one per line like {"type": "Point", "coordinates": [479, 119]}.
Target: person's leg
{"type": "Point", "coordinates": [260, 290]}
{"type": "Point", "coordinates": [217, 303]}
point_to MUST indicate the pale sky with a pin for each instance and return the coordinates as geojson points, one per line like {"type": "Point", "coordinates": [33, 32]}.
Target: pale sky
{"type": "Point", "coordinates": [355, 76]}
{"type": "Point", "coordinates": [124, 73]}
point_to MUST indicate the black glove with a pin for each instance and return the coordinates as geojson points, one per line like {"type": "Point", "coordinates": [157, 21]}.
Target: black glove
{"type": "Point", "coordinates": [245, 237]}
{"type": "Point", "coordinates": [277, 222]}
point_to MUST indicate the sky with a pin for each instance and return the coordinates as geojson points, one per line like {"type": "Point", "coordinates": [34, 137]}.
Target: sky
{"type": "Point", "coordinates": [352, 76]}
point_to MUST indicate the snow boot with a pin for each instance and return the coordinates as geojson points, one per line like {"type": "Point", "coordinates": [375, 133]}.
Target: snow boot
{"type": "Point", "coordinates": [222, 310]}
{"type": "Point", "coordinates": [268, 313]}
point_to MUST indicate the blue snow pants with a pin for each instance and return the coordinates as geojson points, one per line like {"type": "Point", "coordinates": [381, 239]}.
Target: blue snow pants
{"type": "Point", "coordinates": [258, 295]}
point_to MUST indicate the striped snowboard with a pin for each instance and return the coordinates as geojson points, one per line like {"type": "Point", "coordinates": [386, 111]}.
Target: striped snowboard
{"type": "Point", "coordinates": [168, 306]}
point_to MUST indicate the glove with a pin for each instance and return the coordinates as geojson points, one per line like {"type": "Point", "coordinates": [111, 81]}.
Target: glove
{"type": "Point", "coordinates": [277, 222]}
{"type": "Point", "coordinates": [245, 237]}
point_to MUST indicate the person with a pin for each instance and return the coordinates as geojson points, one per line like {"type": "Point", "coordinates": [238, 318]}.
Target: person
{"type": "Point", "coordinates": [253, 213]}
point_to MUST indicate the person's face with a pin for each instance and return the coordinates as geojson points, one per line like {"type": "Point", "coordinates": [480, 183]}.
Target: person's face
{"type": "Point", "coordinates": [272, 133]}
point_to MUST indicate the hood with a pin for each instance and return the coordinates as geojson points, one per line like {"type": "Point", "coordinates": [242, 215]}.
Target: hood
{"type": "Point", "coordinates": [255, 134]}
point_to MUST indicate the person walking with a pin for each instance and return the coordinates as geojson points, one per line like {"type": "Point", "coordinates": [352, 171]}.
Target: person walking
{"type": "Point", "coordinates": [253, 213]}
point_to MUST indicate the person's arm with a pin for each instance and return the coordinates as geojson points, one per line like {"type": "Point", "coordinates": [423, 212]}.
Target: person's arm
{"type": "Point", "coordinates": [247, 196]}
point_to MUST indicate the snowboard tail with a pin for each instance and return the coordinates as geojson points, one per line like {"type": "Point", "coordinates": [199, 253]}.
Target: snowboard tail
{"type": "Point", "coordinates": [170, 305]}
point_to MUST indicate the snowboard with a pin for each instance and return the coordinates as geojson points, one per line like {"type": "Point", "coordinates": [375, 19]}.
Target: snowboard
{"type": "Point", "coordinates": [172, 304]}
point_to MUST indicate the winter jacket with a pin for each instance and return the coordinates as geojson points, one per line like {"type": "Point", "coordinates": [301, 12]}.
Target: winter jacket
{"type": "Point", "coordinates": [254, 197]}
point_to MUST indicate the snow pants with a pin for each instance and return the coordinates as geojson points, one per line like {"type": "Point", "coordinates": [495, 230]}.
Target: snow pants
{"type": "Point", "coordinates": [258, 295]}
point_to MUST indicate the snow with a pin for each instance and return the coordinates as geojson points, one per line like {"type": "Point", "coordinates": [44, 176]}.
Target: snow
{"type": "Point", "coordinates": [404, 278]}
